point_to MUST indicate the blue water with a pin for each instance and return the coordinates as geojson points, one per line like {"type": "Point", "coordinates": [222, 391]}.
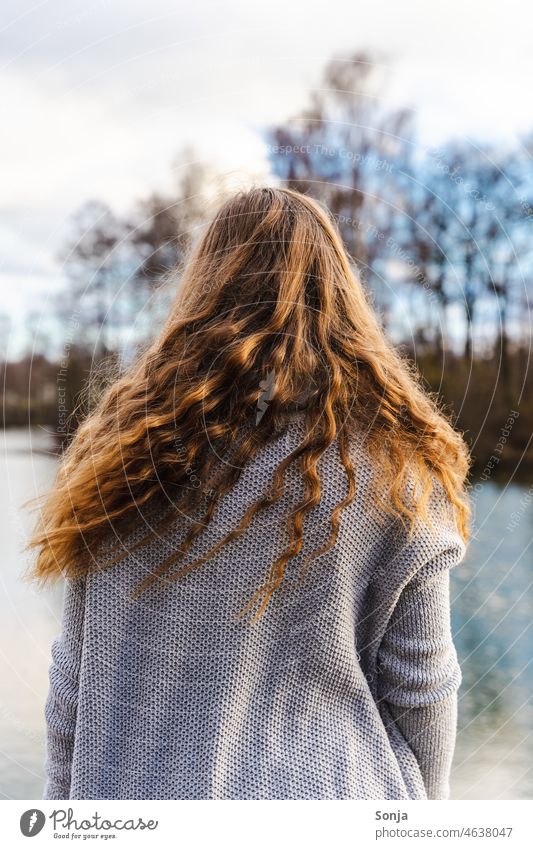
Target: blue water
{"type": "Point", "coordinates": [492, 604]}
{"type": "Point", "coordinates": [492, 597]}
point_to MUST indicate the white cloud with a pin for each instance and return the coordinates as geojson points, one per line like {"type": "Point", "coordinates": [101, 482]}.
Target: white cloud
{"type": "Point", "coordinates": [97, 98]}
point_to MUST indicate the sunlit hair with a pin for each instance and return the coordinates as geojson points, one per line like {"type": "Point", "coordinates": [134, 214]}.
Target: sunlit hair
{"type": "Point", "coordinates": [268, 293]}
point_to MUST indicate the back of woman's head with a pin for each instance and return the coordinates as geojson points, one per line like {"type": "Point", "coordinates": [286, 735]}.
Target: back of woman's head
{"type": "Point", "coordinates": [269, 313]}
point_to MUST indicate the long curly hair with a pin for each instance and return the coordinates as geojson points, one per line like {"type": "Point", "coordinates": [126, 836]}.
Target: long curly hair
{"type": "Point", "coordinates": [268, 298]}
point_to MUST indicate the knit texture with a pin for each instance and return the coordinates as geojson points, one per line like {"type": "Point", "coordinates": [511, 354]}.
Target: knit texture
{"type": "Point", "coordinates": [345, 689]}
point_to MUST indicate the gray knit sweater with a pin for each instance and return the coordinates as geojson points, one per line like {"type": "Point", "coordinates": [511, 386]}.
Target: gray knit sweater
{"type": "Point", "coordinates": [345, 689]}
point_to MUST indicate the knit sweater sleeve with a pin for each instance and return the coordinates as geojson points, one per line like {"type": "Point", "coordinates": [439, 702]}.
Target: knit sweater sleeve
{"type": "Point", "coordinates": [62, 700]}
{"type": "Point", "coordinates": [418, 670]}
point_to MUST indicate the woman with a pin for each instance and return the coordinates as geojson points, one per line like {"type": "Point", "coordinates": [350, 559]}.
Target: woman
{"type": "Point", "coordinates": [256, 526]}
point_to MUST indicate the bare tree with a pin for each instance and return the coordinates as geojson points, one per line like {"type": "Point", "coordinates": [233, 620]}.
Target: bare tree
{"type": "Point", "coordinates": [98, 264]}
{"type": "Point", "coordinates": [351, 151]}
{"type": "Point", "coordinates": [115, 267]}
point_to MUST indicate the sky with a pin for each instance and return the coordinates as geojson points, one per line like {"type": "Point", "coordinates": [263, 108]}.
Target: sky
{"type": "Point", "coordinates": [98, 98]}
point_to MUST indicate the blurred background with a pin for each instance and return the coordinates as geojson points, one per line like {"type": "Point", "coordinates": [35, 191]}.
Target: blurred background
{"type": "Point", "coordinates": [126, 123]}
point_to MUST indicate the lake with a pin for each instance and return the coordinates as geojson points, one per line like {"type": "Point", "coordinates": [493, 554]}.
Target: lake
{"type": "Point", "coordinates": [492, 598]}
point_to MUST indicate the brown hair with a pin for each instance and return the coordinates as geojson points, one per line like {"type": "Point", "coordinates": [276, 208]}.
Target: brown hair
{"type": "Point", "coordinates": [268, 292]}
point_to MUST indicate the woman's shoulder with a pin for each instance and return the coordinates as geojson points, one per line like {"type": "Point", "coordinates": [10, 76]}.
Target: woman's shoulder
{"type": "Point", "coordinates": [430, 535]}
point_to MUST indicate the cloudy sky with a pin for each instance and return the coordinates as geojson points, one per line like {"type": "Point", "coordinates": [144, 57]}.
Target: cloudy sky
{"type": "Point", "coordinates": [98, 97]}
